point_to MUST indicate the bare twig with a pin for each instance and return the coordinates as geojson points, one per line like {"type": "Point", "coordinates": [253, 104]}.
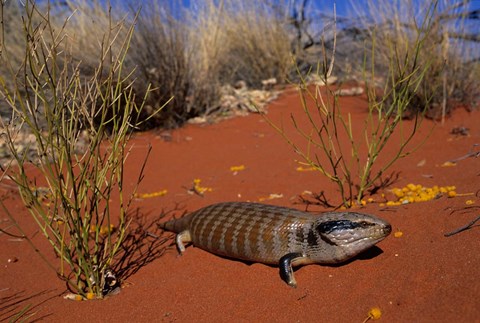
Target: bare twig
{"type": "Point", "coordinates": [11, 234]}
{"type": "Point", "coordinates": [463, 228]}
{"type": "Point", "coordinates": [472, 153]}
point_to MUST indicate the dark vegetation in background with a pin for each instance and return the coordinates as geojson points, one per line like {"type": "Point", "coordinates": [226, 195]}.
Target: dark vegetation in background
{"type": "Point", "coordinates": [190, 54]}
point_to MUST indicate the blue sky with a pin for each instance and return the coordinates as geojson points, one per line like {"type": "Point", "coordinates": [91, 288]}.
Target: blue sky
{"type": "Point", "coordinates": [318, 7]}
{"type": "Point", "coordinates": [342, 5]}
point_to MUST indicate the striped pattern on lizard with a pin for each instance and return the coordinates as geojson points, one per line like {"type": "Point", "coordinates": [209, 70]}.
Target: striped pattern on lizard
{"type": "Point", "coordinates": [277, 235]}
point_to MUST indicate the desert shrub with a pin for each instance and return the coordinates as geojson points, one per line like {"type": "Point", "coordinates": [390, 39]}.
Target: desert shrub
{"type": "Point", "coordinates": [331, 143]}
{"type": "Point", "coordinates": [254, 43]}
{"type": "Point", "coordinates": [190, 55]}
{"type": "Point", "coordinates": [451, 50]}
{"type": "Point", "coordinates": [73, 185]}
{"type": "Point", "coordinates": [166, 54]}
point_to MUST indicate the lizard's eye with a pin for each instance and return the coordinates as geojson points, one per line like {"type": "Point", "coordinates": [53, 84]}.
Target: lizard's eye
{"type": "Point", "coordinates": [365, 224]}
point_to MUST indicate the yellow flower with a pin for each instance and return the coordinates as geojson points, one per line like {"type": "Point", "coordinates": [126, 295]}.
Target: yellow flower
{"type": "Point", "coordinates": [106, 230]}
{"type": "Point", "coordinates": [452, 194]}
{"type": "Point", "coordinates": [272, 196]}
{"type": "Point", "coordinates": [469, 202]}
{"type": "Point", "coordinates": [398, 192]}
{"type": "Point", "coordinates": [374, 314]}
{"type": "Point", "coordinates": [160, 193]}
{"type": "Point", "coordinates": [392, 203]}
{"type": "Point", "coordinates": [149, 195]}
{"type": "Point", "coordinates": [398, 234]}
{"type": "Point", "coordinates": [90, 295]}
{"type": "Point", "coordinates": [73, 297]}
{"type": "Point", "coordinates": [237, 168]}
{"type": "Point", "coordinates": [305, 169]}
{"type": "Point", "coordinates": [412, 187]}
{"type": "Point", "coordinates": [200, 189]}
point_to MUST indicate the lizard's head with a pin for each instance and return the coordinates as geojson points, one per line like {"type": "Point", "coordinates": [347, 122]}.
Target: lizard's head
{"type": "Point", "coordinates": [351, 232]}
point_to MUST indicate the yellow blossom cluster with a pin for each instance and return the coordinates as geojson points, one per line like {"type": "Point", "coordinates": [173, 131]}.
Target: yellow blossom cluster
{"type": "Point", "coordinates": [412, 193]}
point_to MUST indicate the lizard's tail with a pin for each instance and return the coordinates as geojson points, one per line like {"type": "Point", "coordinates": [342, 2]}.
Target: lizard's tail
{"type": "Point", "coordinates": [175, 225]}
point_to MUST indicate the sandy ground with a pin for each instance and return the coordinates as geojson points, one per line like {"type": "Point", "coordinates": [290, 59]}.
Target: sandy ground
{"type": "Point", "coordinates": [421, 276]}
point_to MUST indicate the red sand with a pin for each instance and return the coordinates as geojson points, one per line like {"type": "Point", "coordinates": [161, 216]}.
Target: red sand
{"type": "Point", "coordinates": [419, 277]}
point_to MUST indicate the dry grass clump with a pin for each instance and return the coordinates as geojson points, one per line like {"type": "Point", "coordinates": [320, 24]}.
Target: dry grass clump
{"type": "Point", "coordinates": [451, 50]}
{"type": "Point", "coordinates": [76, 196]}
{"type": "Point", "coordinates": [246, 40]}
{"type": "Point", "coordinates": [191, 54]}
{"type": "Point", "coordinates": [163, 56]}
{"type": "Point", "coordinates": [11, 35]}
